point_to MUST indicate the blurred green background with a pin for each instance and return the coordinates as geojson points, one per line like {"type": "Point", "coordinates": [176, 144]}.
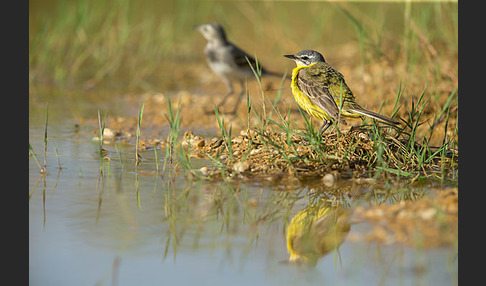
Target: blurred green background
{"type": "Point", "coordinates": [135, 46]}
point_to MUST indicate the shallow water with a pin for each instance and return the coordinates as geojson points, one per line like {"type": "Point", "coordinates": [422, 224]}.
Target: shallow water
{"type": "Point", "coordinates": [118, 226]}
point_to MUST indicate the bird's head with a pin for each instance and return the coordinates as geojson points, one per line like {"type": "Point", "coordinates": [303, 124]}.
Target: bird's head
{"type": "Point", "coordinates": [306, 57]}
{"type": "Point", "coordinates": [211, 31]}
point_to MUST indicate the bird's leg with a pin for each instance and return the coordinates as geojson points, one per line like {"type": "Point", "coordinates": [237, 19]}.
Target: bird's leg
{"type": "Point", "coordinates": [238, 100]}
{"type": "Point", "coordinates": [230, 92]}
{"type": "Point", "coordinates": [324, 126]}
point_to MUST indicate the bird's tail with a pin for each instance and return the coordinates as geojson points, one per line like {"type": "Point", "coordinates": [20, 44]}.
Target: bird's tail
{"type": "Point", "coordinates": [362, 111]}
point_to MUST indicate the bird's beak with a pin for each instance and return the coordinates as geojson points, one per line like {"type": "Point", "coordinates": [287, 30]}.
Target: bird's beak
{"type": "Point", "coordinates": [290, 57]}
{"type": "Point", "coordinates": [196, 27]}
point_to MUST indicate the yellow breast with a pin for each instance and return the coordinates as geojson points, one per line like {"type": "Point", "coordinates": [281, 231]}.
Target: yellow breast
{"type": "Point", "coordinates": [303, 100]}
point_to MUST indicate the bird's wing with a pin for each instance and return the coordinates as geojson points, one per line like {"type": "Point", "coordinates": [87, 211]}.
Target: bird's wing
{"type": "Point", "coordinates": [240, 57]}
{"type": "Point", "coordinates": [241, 61]}
{"type": "Point", "coordinates": [318, 92]}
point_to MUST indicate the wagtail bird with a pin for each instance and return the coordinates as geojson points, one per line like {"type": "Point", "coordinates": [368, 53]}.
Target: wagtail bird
{"type": "Point", "coordinates": [315, 231]}
{"type": "Point", "coordinates": [228, 61]}
{"type": "Point", "coordinates": [320, 90]}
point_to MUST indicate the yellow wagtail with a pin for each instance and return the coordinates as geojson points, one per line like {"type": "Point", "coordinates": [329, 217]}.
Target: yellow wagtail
{"type": "Point", "coordinates": [228, 61]}
{"type": "Point", "coordinates": [315, 231]}
{"type": "Point", "coordinates": [320, 90]}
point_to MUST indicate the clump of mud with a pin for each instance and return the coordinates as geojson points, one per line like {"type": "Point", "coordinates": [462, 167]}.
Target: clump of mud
{"type": "Point", "coordinates": [353, 153]}
{"type": "Point", "coordinates": [271, 152]}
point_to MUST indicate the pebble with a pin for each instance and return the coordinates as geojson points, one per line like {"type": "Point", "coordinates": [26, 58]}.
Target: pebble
{"type": "Point", "coordinates": [240, 167]}
{"type": "Point", "coordinates": [236, 140]}
{"type": "Point", "coordinates": [204, 170]}
{"type": "Point", "coordinates": [159, 98]}
{"type": "Point", "coordinates": [428, 213]}
{"type": "Point", "coordinates": [108, 133]}
{"type": "Point", "coordinates": [329, 179]}
{"type": "Point", "coordinates": [248, 133]}
{"type": "Point", "coordinates": [195, 143]}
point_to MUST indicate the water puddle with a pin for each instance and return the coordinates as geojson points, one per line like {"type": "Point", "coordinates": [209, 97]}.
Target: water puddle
{"type": "Point", "coordinates": [106, 221]}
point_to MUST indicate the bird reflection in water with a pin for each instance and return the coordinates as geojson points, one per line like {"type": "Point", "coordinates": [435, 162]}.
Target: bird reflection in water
{"type": "Point", "coordinates": [315, 231]}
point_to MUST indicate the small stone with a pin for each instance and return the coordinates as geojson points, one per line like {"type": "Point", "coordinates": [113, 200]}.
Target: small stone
{"type": "Point", "coordinates": [253, 202]}
{"type": "Point", "coordinates": [428, 213]}
{"type": "Point", "coordinates": [363, 136]}
{"type": "Point", "coordinates": [108, 133]}
{"type": "Point", "coordinates": [159, 98]}
{"type": "Point", "coordinates": [240, 167]}
{"type": "Point", "coordinates": [204, 170]}
{"type": "Point", "coordinates": [329, 179]}
{"type": "Point", "coordinates": [236, 140]}
{"type": "Point", "coordinates": [248, 133]}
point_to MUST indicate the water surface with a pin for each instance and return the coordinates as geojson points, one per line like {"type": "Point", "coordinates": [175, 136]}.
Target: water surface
{"type": "Point", "coordinates": [124, 226]}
